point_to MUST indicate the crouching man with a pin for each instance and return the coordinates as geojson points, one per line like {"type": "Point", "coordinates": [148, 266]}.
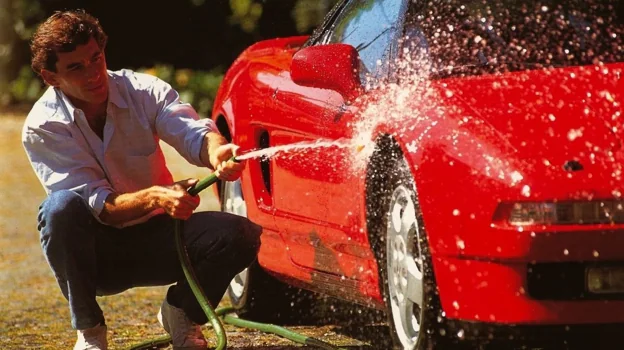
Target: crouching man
{"type": "Point", "coordinates": [107, 223]}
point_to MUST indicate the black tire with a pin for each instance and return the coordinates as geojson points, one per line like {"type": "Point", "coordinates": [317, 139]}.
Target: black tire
{"type": "Point", "coordinates": [392, 200]}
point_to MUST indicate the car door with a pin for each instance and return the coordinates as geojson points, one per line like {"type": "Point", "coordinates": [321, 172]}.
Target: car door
{"type": "Point", "coordinates": [318, 196]}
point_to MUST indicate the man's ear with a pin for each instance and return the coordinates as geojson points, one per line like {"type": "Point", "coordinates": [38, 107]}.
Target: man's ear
{"type": "Point", "coordinates": [49, 77]}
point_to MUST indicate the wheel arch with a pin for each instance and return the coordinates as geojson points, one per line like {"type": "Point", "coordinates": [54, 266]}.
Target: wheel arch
{"type": "Point", "coordinates": [387, 151]}
{"type": "Point", "coordinates": [224, 129]}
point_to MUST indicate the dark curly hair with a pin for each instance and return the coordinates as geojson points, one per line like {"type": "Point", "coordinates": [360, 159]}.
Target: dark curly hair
{"type": "Point", "coordinates": [62, 32]}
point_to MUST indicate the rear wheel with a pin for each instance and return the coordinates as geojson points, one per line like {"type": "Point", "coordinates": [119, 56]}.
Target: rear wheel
{"type": "Point", "coordinates": [404, 262]}
{"type": "Point", "coordinates": [232, 201]}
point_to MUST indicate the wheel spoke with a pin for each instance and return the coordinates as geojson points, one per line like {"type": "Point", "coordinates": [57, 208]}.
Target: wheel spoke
{"type": "Point", "coordinates": [404, 311]}
{"type": "Point", "coordinates": [409, 218]}
{"type": "Point", "coordinates": [233, 199]}
{"type": "Point", "coordinates": [234, 203]}
{"type": "Point", "coordinates": [414, 285]}
{"type": "Point", "coordinates": [408, 321]}
{"type": "Point", "coordinates": [396, 219]}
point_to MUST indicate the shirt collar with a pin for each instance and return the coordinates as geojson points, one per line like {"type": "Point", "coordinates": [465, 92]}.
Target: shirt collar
{"type": "Point", "coordinates": [66, 106]}
{"type": "Point", "coordinates": [114, 95]}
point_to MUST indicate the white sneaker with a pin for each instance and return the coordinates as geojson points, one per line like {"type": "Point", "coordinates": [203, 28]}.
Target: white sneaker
{"type": "Point", "coordinates": [185, 334]}
{"type": "Point", "coordinates": [92, 339]}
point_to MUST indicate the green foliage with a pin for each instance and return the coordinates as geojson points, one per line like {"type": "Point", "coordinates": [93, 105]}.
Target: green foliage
{"type": "Point", "coordinates": [17, 22]}
{"type": "Point", "coordinates": [27, 87]}
{"type": "Point", "coordinates": [245, 13]}
{"type": "Point", "coordinates": [308, 14]}
{"type": "Point", "coordinates": [19, 18]}
{"type": "Point", "coordinates": [25, 15]}
{"type": "Point", "coordinates": [199, 88]}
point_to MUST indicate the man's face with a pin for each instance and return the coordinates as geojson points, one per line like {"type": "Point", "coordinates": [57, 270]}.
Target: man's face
{"type": "Point", "coordinates": [81, 74]}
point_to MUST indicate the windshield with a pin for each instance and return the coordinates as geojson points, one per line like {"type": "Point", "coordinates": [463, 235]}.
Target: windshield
{"type": "Point", "coordinates": [479, 36]}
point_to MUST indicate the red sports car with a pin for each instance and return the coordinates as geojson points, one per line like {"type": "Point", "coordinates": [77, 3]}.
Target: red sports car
{"type": "Point", "coordinates": [457, 163]}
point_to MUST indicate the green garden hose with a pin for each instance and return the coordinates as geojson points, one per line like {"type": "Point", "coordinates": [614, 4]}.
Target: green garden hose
{"type": "Point", "coordinates": [214, 316]}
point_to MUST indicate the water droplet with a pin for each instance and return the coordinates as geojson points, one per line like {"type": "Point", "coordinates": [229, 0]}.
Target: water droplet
{"type": "Point", "coordinates": [573, 134]}
{"type": "Point", "coordinates": [566, 252]}
{"type": "Point", "coordinates": [596, 254]}
{"type": "Point", "coordinates": [526, 191]}
{"type": "Point", "coordinates": [516, 177]}
{"type": "Point", "coordinates": [460, 334]}
{"type": "Point", "coordinates": [461, 244]}
{"type": "Point", "coordinates": [456, 212]}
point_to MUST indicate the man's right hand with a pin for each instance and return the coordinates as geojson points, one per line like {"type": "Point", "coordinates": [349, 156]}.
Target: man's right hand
{"type": "Point", "coordinates": [176, 201]}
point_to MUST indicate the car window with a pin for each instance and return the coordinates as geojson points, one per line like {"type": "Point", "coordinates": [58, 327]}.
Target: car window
{"type": "Point", "coordinates": [319, 33]}
{"type": "Point", "coordinates": [471, 37]}
{"type": "Point", "coordinates": [372, 27]}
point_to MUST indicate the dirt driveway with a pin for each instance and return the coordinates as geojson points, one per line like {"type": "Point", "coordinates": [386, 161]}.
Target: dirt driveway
{"type": "Point", "coordinates": [33, 313]}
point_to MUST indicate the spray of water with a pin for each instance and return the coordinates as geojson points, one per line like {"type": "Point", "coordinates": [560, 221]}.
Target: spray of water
{"type": "Point", "coordinates": [276, 151]}
{"type": "Point", "coordinates": [390, 104]}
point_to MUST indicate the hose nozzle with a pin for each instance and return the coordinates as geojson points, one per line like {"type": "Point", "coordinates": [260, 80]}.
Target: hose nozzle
{"type": "Point", "coordinates": [207, 181]}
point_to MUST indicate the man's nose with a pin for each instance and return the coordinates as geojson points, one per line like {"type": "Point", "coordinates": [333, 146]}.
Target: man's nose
{"type": "Point", "coordinates": [93, 73]}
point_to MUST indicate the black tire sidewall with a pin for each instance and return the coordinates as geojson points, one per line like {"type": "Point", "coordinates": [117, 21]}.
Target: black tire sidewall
{"type": "Point", "coordinates": [401, 175]}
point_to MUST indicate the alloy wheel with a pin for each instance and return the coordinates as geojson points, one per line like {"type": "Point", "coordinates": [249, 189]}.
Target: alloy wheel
{"type": "Point", "coordinates": [404, 267]}
{"type": "Point", "coordinates": [234, 203]}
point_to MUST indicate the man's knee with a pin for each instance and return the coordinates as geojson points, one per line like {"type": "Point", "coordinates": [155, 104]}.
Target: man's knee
{"type": "Point", "coordinates": [248, 242]}
{"type": "Point", "coordinates": [61, 213]}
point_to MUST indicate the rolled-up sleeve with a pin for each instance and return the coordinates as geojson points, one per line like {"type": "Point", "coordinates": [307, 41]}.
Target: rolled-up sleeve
{"type": "Point", "coordinates": [178, 124]}
{"type": "Point", "coordinates": [62, 164]}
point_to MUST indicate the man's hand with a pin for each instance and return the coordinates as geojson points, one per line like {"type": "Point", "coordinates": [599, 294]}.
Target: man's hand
{"type": "Point", "coordinates": [227, 171]}
{"type": "Point", "coordinates": [176, 200]}
{"type": "Point", "coordinates": [215, 153]}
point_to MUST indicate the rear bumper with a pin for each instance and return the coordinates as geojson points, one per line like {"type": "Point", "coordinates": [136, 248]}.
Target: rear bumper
{"type": "Point", "coordinates": [499, 293]}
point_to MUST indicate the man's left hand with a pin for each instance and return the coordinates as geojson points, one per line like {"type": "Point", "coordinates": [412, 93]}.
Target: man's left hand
{"type": "Point", "coordinates": [224, 169]}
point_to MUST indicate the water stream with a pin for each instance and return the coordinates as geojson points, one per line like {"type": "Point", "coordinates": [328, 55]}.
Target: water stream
{"type": "Point", "coordinates": [270, 152]}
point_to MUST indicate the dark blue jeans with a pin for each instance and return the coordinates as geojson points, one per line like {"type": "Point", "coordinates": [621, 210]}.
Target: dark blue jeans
{"type": "Point", "coordinates": [89, 258]}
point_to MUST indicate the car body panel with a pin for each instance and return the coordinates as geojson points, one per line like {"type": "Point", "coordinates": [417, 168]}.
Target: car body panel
{"type": "Point", "coordinates": [472, 143]}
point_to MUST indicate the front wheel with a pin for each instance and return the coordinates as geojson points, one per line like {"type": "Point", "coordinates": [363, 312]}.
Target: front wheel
{"type": "Point", "coordinates": [406, 275]}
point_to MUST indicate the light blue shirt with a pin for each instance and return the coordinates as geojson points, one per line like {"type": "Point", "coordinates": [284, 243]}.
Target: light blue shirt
{"type": "Point", "coordinates": [67, 155]}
